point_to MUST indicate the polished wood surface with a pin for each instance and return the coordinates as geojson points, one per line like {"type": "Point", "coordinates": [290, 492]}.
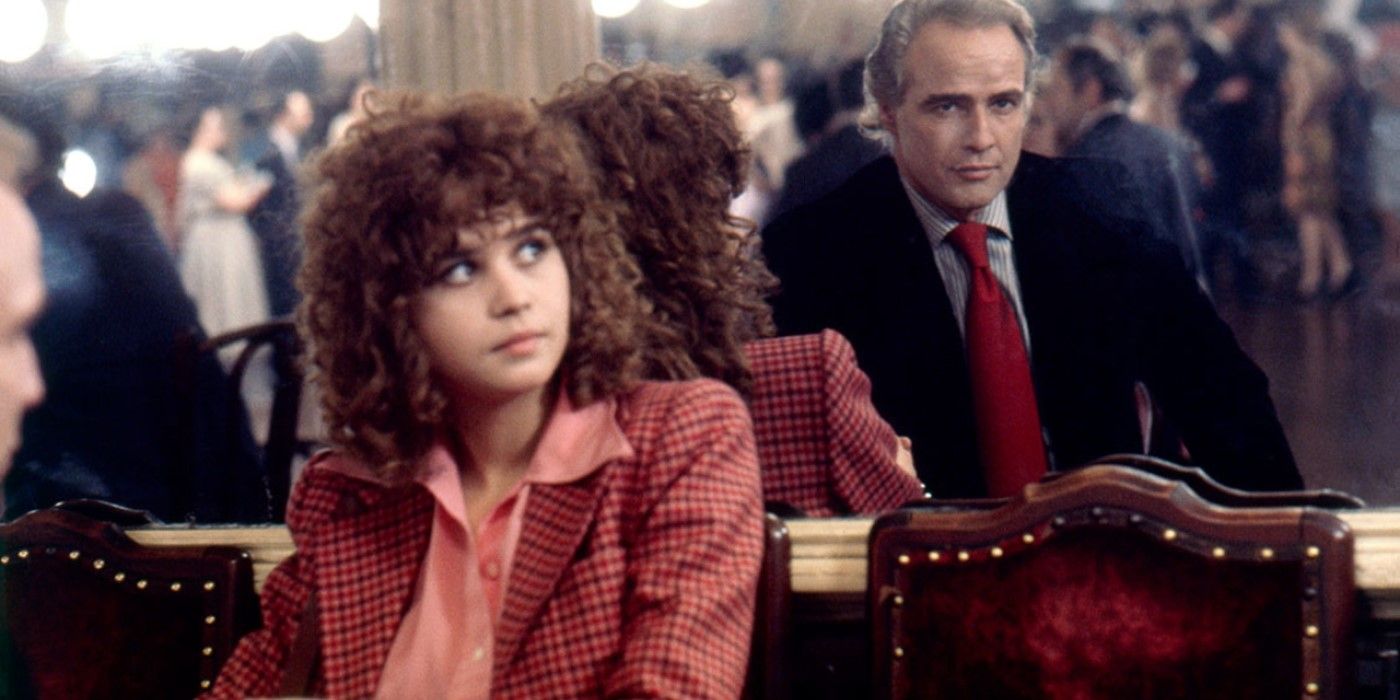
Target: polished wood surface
{"type": "Point", "coordinates": [1334, 374]}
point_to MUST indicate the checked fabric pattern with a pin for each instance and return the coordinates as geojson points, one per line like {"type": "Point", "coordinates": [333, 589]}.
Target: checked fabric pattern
{"type": "Point", "coordinates": [823, 447]}
{"type": "Point", "coordinates": [638, 580]}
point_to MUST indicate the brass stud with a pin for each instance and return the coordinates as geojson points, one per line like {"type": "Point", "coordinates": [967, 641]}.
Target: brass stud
{"type": "Point", "coordinates": [207, 651]}
{"type": "Point", "coordinates": [898, 600]}
{"type": "Point", "coordinates": [98, 564]}
{"type": "Point", "coordinates": [964, 556]}
{"type": "Point", "coordinates": [1314, 552]}
{"type": "Point", "coordinates": [1169, 535]}
{"type": "Point", "coordinates": [208, 585]}
{"type": "Point", "coordinates": [1218, 552]}
{"type": "Point", "coordinates": [23, 554]}
{"type": "Point", "coordinates": [74, 555]}
{"type": "Point", "coordinates": [204, 684]}
{"type": "Point", "coordinates": [904, 560]}
{"type": "Point", "coordinates": [1312, 689]}
{"type": "Point", "coordinates": [1311, 630]}
{"type": "Point", "coordinates": [934, 556]}
{"type": "Point", "coordinates": [996, 552]}
{"type": "Point", "coordinates": [899, 652]}
{"type": "Point", "coordinates": [141, 584]}
{"type": "Point", "coordinates": [209, 620]}
{"type": "Point", "coordinates": [1028, 538]}
{"type": "Point", "coordinates": [119, 577]}
{"type": "Point", "coordinates": [175, 587]}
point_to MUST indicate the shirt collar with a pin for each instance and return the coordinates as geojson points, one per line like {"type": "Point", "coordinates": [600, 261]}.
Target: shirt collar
{"type": "Point", "coordinates": [937, 223]}
{"type": "Point", "coordinates": [285, 142]}
{"type": "Point", "coordinates": [575, 443]}
{"type": "Point", "coordinates": [1092, 118]}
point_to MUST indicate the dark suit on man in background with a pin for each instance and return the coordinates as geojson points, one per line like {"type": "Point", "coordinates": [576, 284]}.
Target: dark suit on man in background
{"type": "Point", "coordinates": [1105, 308]}
{"type": "Point", "coordinates": [1161, 167]}
{"type": "Point", "coordinates": [273, 219]}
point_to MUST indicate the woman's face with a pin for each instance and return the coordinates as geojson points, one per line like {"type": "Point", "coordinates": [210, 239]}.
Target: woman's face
{"type": "Point", "coordinates": [495, 318]}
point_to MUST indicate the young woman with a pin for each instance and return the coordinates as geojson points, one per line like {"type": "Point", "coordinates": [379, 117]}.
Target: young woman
{"type": "Point", "coordinates": [509, 512]}
{"type": "Point", "coordinates": [670, 158]}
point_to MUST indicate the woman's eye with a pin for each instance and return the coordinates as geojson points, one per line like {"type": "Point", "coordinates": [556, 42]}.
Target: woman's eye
{"type": "Point", "coordinates": [457, 273]}
{"type": "Point", "coordinates": [532, 249]}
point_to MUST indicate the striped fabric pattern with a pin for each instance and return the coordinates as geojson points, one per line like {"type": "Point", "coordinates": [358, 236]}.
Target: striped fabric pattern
{"type": "Point", "coordinates": [953, 268]}
{"type": "Point", "coordinates": [823, 447]}
{"type": "Point", "coordinates": [635, 581]}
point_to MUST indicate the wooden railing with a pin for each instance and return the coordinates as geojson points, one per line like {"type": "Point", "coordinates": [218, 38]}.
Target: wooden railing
{"type": "Point", "coordinates": [828, 555]}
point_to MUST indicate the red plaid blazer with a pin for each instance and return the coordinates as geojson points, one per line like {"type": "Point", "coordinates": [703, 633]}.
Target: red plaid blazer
{"type": "Point", "coordinates": [636, 581]}
{"type": "Point", "coordinates": [823, 447]}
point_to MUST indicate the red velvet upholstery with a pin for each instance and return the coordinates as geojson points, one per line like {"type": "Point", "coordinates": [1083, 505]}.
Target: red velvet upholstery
{"type": "Point", "coordinates": [1111, 583]}
{"type": "Point", "coordinates": [91, 614]}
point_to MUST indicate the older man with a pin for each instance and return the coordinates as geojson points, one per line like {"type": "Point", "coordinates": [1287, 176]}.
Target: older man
{"type": "Point", "coordinates": [1004, 324]}
{"type": "Point", "coordinates": [21, 298]}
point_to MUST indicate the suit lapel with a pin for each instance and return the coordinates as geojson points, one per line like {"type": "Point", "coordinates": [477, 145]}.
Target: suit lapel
{"type": "Point", "coordinates": [367, 565]}
{"type": "Point", "coordinates": [557, 516]}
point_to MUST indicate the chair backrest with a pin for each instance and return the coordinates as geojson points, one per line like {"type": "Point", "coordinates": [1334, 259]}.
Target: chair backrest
{"type": "Point", "coordinates": [770, 655]}
{"type": "Point", "coordinates": [1110, 582]}
{"type": "Point", "coordinates": [91, 614]}
{"type": "Point", "coordinates": [282, 445]}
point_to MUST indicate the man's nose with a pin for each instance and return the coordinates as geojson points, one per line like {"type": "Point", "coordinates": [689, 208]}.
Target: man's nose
{"type": "Point", "coordinates": [979, 130]}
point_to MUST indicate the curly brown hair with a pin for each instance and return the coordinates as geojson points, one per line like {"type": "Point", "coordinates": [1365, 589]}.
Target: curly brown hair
{"type": "Point", "coordinates": [670, 157]}
{"type": "Point", "coordinates": [387, 205]}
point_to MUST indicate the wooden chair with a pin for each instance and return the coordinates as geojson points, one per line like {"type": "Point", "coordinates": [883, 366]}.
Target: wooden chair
{"type": "Point", "coordinates": [91, 614]}
{"type": "Point", "coordinates": [282, 441]}
{"type": "Point", "coordinates": [770, 655]}
{"type": "Point", "coordinates": [1110, 582]}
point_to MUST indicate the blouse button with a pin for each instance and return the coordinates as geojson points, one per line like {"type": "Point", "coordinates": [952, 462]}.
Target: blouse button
{"type": "Point", "coordinates": [479, 654]}
{"type": "Point", "coordinates": [491, 570]}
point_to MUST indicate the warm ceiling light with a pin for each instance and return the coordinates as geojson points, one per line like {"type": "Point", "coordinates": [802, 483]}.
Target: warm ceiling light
{"type": "Point", "coordinates": [23, 25]}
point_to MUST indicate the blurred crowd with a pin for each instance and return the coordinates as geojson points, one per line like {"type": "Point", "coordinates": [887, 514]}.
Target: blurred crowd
{"type": "Point", "coordinates": [183, 229]}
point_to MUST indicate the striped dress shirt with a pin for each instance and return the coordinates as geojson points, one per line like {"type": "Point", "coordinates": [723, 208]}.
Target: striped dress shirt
{"type": "Point", "coordinates": [953, 268]}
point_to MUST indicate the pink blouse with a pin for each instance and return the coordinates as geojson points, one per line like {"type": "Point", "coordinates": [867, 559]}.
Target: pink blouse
{"type": "Point", "coordinates": [444, 645]}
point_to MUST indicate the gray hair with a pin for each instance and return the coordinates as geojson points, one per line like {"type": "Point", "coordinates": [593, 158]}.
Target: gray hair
{"type": "Point", "coordinates": [884, 78]}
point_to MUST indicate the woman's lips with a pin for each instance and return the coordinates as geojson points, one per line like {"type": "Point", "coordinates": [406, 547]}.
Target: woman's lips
{"type": "Point", "coordinates": [520, 344]}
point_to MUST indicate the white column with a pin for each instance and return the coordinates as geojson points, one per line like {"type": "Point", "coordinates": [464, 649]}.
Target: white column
{"type": "Point", "coordinates": [524, 48]}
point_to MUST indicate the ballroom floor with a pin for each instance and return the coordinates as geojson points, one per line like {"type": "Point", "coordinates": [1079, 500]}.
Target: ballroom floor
{"type": "Point", "coordinates": [1334, 372]}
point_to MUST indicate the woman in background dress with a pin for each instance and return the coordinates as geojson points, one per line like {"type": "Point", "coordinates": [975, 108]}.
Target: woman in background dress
{"type": "Point", "coordinates": [219, 261]}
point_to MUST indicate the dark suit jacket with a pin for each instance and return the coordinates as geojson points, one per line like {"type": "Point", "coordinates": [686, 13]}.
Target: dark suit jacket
{"type": "Point", "coordinates": [825, 167]}
{"type": "Point", "coordinates": [273, 219]}
{"type": "Point", "coordinates": [1106, 307]}
{"type": "Point", "coordinates": [1160, 167]}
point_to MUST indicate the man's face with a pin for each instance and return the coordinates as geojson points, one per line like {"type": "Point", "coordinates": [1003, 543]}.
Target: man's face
{"type": "Point", "coordinates": [21, 298]}
{"type": "Point", "coordinates": [1065, 105]}
{"type": "Point", "coordinates": [957, 129]}
{"type": "Point", "coordinates": [300, 113]}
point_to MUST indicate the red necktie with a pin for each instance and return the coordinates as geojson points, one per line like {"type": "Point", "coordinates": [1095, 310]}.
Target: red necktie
{"type": "Point", "coordinates": [1003, 398]}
